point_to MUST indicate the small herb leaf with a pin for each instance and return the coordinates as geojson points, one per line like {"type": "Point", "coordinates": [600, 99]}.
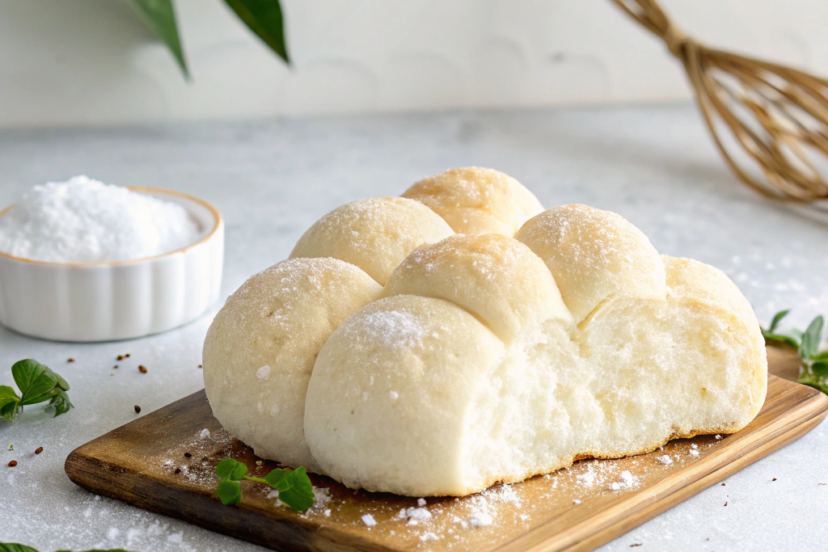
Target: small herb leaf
{"type": "Point", "coordinates": [777, 318]}
{"type": "Point", "coordinates": [10, 412]}
{"type": "Point", "coordinates": [62, 383]}
{"type": "Point", "coordinates": [229, 492]}
{"type": "Point", "coordinates": [786, 339]}
{"type": "Point", "coordinates": [224, 469]}
{"type": "Point", "coordinates": [275, 477]}
{"type": "Point", "coordinates": [7, 396]}
{"type": "Point", "coordinates": [61, 403]}
{"type": "Point", "coordinates": [239, 471]}
{"type": "Point", "coordinates": [820, 369]}
{"type": "Point", "coordinates": [32, 378]}
{"type": "Point", "coordinates": [13, 547]}
{"type": "Point", "coordinates": [811, 338]}
{"type": "Point", "coordinates": [294, 486]}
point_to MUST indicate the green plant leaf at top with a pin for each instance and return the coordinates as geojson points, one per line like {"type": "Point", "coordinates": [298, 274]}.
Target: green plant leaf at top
{"type": "Point", "coordinates": [264, 17]}
{"type": "Point", "coordinates": [777, 318]}
{"type": "Point", "coordinates": [160, 16]}
{"type": "Point", "coordinates": [811, 338]}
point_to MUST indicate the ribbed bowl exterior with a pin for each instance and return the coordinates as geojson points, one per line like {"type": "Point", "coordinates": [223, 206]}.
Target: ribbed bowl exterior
{"type": "Point", "coordinates": [112, 301]}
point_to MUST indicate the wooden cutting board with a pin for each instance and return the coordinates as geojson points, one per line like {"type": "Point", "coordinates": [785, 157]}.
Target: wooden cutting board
{"type": "Point", "coordinates": [145, 463]}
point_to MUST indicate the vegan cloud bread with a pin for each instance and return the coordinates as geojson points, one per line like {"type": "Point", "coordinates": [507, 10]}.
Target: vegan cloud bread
{"type": "Point", "coordinates": [396, 355]}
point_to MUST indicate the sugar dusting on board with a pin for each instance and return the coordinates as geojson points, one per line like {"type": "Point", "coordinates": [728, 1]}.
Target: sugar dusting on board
{"type": "Point", "coordinates": [83, 220]}
{"type": "Point", "coordinates": [449, 522]}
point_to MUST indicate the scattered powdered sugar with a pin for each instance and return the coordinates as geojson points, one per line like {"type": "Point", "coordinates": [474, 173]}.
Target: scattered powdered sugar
{"type": "Point", "coordinates": [428, 536]}
{"type": "Point", "coordinates": [83, 220]}
{"type": "Point", "coordinates": [421, 502]}
{"type": "Point", "coordinates": [626, 481]}
{"type": "Point", "coordinates": [576, 502]}
{"type": "Point", "coordinates": [587, 478]}
{"type": "Point", "coordinates": [414, 515]}
{"type": "Point", "coordinates": [397, 329]}
{"type": "Point", "coordinates": [480, 519]}
{"type": "Point", "coordinates": [665, 459]}
{"type": "Point", "coordinates": [369, 520]}
{"type": "Point", "coordinates": [263, 373]}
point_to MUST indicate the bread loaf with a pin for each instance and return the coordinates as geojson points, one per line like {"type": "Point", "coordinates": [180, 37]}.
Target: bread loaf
{"type": "Point", "coordinates": [409, 359]}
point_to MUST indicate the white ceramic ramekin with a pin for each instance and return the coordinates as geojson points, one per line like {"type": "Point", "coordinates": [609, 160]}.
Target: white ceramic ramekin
{"type": "Point", "coordinates": [116, 300]}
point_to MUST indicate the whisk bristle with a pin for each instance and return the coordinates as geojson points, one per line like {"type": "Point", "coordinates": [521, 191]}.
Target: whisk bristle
{"type": "Point", "coordinates": [761, 115]}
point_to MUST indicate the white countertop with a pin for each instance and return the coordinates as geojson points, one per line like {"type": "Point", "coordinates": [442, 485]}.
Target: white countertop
{"type": "Point", "coordinates": [272, 179]}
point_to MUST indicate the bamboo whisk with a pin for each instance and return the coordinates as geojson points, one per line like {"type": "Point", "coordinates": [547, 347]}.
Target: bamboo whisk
{"type": "Point", "coordinates": [771, 114]}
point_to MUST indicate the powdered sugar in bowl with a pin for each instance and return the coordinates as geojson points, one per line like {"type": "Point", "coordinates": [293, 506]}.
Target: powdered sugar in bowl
{"type": "Point", "coordinates": [84, 261]}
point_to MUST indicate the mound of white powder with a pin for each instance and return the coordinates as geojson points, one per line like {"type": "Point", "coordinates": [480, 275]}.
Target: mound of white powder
{"type": "Point", "coordinates": [83, 220]}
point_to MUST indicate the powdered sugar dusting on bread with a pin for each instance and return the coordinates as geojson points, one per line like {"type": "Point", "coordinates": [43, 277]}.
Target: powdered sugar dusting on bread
{"type": "Point", "coordinates": [374, 234]}
{"type": "Point", "coordinates": [395, 329]}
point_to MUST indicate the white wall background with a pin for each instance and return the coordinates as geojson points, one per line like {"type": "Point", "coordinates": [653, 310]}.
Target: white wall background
{"type": "Point", "coordinates": [89, 62]}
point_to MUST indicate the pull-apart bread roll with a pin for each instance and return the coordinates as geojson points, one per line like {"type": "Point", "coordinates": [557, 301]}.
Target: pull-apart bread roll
{"type": "Point", "coordinates": [401, 357]}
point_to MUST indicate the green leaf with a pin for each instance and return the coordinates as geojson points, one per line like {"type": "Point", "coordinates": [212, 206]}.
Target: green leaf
{"type": "Point", "coordinates": [61, 403]}
{"type": "Point", "coordinates": [10, 412]}
{"type": "Point", "coordinates": [821, 356]}
{"type": "Point", "coordinates": [12, 547]}
{"type": "Point", "coordinates": [275, 477]}
{"type": "Point", "coordinates": [224, 469]}
{"type": "Point", "coordinates": [777, 318]}
{"type": "Point", "coordinates": [811, 338]}
{"type": "Point", "coordinates": [820, 369]}
{"type": "Point", "coordinates": [263, 17]}
{"type": "Point", "coordinates": [298, 490]}
{"type": "Point", "coordinates": [160, 16]}
{"type": "Point", "coordinates": [239, 471]}
{"type": "Point", "coordinates": [62, 383]}
{"type": "Point", "coordinates": [781, 338]}
{"type": "Point", "coordinates": [26, 373]}
{"type": "Point", "coordinates": [229, 492]}
{"type": "Point", "coordinates": [7, 396]}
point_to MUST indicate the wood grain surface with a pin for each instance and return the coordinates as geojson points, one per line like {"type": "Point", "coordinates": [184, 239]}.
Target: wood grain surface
{"type": "Point", "coordinates": [160, 462]}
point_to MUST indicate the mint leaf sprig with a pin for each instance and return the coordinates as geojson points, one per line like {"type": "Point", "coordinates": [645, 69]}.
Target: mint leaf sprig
{"type": "Point", "coordinates": [37, 384]}
{"type": "Point", "coordinates": [294, 486]}
{"type": "Point", "coordinates": [813, 370]}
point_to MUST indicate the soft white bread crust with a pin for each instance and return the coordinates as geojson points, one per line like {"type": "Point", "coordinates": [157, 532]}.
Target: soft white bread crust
{"type": "Point", "coordinates": [473, 199]}
{"type": "Point", "coordinates": [496, 278]}
{"type": "Point", "coordinates": [389, 393]}
{"type": "Point", "coordinates": [374, 234]}
{"type": "Point", "coordinates": [594, 254]}
{"type": "Point", "coordinates": [699, 283]}
{"type": "Point", "coordinates": [485, 358]}
{"type": "Point", "coordinates": [260, 349]}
